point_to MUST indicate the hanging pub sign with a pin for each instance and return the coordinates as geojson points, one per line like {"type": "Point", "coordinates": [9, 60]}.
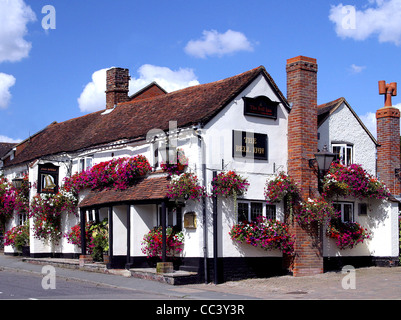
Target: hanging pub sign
{"type": "Point", "coordinates": [48, 178]}
{"type": "Point", "coordinates": [260, 106]}
{"type": "Point", "coordinates": [249, 145]}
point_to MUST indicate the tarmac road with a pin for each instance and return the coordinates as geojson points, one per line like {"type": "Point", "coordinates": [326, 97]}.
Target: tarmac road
{"type": "Point", "coordinates": [356, 284]}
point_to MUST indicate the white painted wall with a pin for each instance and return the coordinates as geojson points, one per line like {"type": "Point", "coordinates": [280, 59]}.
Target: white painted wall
{"type": "Point", "coordinates": [343, 126]}
{"type": "Point", "coordinates": [381, 222]}
{"type": "Point", "coordinates": [218, 140]}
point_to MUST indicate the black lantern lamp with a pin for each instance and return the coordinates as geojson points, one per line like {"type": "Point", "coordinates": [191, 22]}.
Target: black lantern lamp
{"type": "Point", "coordinates": [323, 159]}
{"type": "Point", "coordinates": [17, 182]}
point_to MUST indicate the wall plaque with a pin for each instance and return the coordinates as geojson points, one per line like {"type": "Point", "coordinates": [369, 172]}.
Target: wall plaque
{"type": "Point", "coordinates": [190, 220]}
{"type": "Point", "coordinates": [48, 178]}
{"type": "Point", "coordinates": [250, 145]}
{"type": "Point", "coordinates": [260, 106]}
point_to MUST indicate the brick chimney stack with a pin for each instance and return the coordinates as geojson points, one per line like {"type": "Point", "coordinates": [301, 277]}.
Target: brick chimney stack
{"type": "Point", "coordinates": [302, 122]}
{"type": "Point", "coordinates": [117, 86]}
{"type": "Point", "coordinates": [302, 146]}
{"type": "Point", "coordinates": [388, 137]}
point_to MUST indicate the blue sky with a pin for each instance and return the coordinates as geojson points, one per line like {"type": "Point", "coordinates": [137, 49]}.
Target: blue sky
{"type": "Point", "coordinates": [56, 72]}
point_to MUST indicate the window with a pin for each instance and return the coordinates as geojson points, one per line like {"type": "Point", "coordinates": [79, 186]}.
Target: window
{"type": "Point", "coordinates": [22, 218]}
{"type": "Point", "coordinates": [344, 153]}
{"type": "Point", "coordinates": [362, 209]}
{"type": "Point", "coordinates": [346, 209]}
{"type": "Point", "coordinates": [270, 212]}
{"type": "Point", "coordinates": [251, 210]}
{"type": "Point", "coordinates": [85, 163]}
{"type": "Point", "coordinates": [173, 219]}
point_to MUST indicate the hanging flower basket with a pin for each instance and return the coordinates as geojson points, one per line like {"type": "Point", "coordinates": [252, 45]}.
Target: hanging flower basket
{"type": "Point", "coordinates": [229, 184]}
{"type": "Point", "coordinates": [46, 209]}
{"type": "Point", "coordinates": [185, 186]}
{"type": "Point", "coordinates": [352, 181]}
{"type": "Point", "coordinates": [280, 187]}
{"type": "Point", "coordinates": [315, 210]}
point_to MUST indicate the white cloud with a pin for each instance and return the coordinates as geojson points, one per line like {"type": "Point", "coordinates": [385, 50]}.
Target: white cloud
{"type": "Point", "coordinates": [369, 119]}
{"type": "Point", "coordinates": [357, 69]}
{"type": "Point", "coordinates": [168, 79]}
{"type": "Point", "coordinates": [6, 82]}
{"type": "Point", "coordinates": [93, 97]}
{"type": "Point", "coordinates": [8, 139]}
{"type": "Point", "coordinates": [14, 16]}
{"type": "Point", "coordinates": [380, 17]}
{"type": "Point", "coordinates": [213, 43]}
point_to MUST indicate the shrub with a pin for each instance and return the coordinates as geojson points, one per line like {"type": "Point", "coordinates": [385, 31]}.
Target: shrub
{"type": "Point", "coordinates": [17, 237]}
{"type": "Point", "coordinates": [152, 242]}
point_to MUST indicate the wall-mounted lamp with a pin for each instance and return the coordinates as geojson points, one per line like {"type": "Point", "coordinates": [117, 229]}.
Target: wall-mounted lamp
{"type": "Point", "coordinates": [323, 160]}
{"type": "Point", "coordinates": [17, 182]}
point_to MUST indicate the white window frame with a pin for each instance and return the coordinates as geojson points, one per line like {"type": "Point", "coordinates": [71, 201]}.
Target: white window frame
{"type": "Point", "coordinates": [249, 203]}
{"type": "Point", "coordinates": [344, 152]}
{"type": "Point", "coordinates": [87, 163]}
{"type": "Point", "coordinates": [342, 206]}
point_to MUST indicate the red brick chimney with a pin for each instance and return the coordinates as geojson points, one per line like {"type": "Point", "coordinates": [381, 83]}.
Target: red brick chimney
{"type": "Point", "coordinates": [388, 137]}
{"type": "Point", "coordinates": [302, 122]}
{"type": "Point", "coordinates": [117, 86]}
{"type": "Point", "coordinates": [302, 146]}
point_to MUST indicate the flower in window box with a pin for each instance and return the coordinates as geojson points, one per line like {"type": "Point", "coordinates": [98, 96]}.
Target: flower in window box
{"type": "Point", "coordinates": [265, 234]}
{"type": "Point", "coordinates": [179, 166]}
{"type": "Point", "coordinates": [346, 234]}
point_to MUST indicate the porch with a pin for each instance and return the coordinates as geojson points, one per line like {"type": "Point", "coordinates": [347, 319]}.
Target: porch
{"type": "Point", "coordinates": [131, 213]}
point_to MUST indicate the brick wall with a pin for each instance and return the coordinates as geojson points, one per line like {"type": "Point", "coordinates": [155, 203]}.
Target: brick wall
{"type": "Point", "coordinates": [117, 86]}
{"type": "Point", "coordinates": [388, 152]}
{"type": "Point", "coordinates": [153, 90]}
{"type": "Point", "coordinates": [302, 146]}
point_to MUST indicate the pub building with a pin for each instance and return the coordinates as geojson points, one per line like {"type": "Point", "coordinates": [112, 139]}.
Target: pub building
{"type": "Point", "coordinates": [242, 124]}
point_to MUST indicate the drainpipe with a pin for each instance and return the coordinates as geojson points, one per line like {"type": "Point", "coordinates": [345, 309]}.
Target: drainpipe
{"type": "Point", "coordinates": [83, 223]}
{"type": "Point", "coordinates": [111, 238]}
{"type": "Point", "coordinates": [164, 235]}
{"type": "Point", "coordinates": [204, 213]}
{"type": "Point", "coordinates": [215, 243]}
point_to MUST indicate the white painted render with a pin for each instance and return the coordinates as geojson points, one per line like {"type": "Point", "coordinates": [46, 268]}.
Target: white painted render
{"type": "Point", "coordinates": [212, 146]}
{"type": "Point", "coordinates": [343, 126]}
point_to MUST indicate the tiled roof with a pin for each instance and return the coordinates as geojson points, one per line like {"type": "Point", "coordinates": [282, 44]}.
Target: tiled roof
{"type": "Point", "coordinates": [145, 189]}
{"type": "Point", "coordinates": [5, 147]}
{"type": "Point", "coordinates": [326, 109]}
{"type": "Point", "coordinates": [133, 119]}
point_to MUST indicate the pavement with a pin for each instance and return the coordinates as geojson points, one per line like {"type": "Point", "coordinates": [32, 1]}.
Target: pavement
{"type": "Point", "coordinates": [373, 283]}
